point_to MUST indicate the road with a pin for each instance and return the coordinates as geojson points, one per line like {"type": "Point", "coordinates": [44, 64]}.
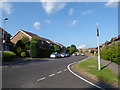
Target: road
{"type": "Point", "coordinates": [44, 74]}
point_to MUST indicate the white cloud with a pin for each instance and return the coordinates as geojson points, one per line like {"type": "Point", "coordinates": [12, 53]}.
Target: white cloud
{"type": "Point", "coordinates": [74, 22]}
{"type": "Point", "coordinates": [37, 25]}
{"type": "Point", "coordinates": [112, 3]}
{"type": "Point", "coordinates": [71, 11]}
{"type": "Point", "coordinates": [52, 7]}
{"type": "Point", "coordinates": [82, 46]}
{"type": "Point", "coordinates": [87, 12]}
{"type": "Point", "coordinates": [48, 21]}
{"type": "Point", "coordinates": [7, 7]}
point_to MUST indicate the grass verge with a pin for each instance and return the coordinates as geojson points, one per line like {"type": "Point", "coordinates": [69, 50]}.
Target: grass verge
{"type": "Point", "coordinates": [90, 67]}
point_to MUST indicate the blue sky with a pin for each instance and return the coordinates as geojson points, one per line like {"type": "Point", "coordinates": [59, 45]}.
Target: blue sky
{"type": "Point", "coordinates": [66, 22]}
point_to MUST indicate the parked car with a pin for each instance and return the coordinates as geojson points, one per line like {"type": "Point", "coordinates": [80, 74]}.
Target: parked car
{"type": "Point", "coordinates": [55, 55]}
{"type": "Point", "coordinates": [74, 54]}
{"type": "Point", "coordinates": [67, 55]}
{"type": "Point", "coordinates": [77, 54]}
{"type": "Point", "coordinates": [62, 54]}
{"type": "Point", "coordinates": [82, 54]}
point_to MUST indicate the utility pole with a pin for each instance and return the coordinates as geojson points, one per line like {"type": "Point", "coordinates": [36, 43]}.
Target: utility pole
{"type": "Point", "coordinates": [3, 37]}
{"type": "Point", "coordinates": [99, 68]}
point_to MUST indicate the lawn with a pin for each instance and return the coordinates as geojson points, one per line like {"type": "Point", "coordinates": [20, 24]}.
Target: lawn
{"type": "Point", "coordinates": [90, 66]}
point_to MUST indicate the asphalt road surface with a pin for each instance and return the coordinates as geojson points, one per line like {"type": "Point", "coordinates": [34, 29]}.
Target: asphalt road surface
{"type": "Point", "coordinates": [44, 74]}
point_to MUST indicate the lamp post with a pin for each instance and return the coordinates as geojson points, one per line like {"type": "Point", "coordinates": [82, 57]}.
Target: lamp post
{"type": "Point", "coordinates": [99, 68]}
{"type": "Point", "coordinates": [3, 35]}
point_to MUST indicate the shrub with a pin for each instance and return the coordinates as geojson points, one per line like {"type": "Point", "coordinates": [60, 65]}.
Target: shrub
{"type": "Point", "coordinates": [34, 49]}
{"type": "Point", "coordinates": [23, 54]}
{"type": "Point", "coordinates": [25, 40]}
{"type": "Point", "coordinates": [111, 53]}
{"type": "Point", "coordinates": [45, 52]}
{"type": "Point", "coordinates": [7, 55]}
{"type": "Point", "coordinates": [92, 51]}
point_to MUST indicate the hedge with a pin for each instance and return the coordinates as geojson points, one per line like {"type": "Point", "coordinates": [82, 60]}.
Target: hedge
{"type": "Point", "coordinates": [8, 55]}
{"type": "Point", "coordinates": [44, 52]}
{"type": "Point", "coordinates": [34, 49]}
{"type": "Point", "coordinates": [112, 53]}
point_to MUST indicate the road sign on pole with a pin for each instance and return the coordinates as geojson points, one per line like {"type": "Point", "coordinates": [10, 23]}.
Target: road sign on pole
{"type": "Point", "coordinates": [99, 68]}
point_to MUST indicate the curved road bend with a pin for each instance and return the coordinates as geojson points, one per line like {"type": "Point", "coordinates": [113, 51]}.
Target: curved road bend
{"type": "Point", "coordinates": [44, 74]}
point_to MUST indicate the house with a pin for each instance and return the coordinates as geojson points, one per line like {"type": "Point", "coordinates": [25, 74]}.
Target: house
{"type": "Point", "coordinates": [5, 43]}
{"type": "Point", "coordinates": [44, 43]}
{"type": "Point", "coordinates": [62, 47]}
{"type": "Point", "coordinates": [90, 49]}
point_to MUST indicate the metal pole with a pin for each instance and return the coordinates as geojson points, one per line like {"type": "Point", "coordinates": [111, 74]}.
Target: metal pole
{"type": "Point", "coordinates": [99, 68]}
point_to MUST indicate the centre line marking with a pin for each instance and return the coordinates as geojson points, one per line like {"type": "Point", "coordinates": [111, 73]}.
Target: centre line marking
{"type": "Point", "coordinates": [41, 79]}
{"type": "Point", "coordinates": [51, 75]}
{"type": "Point", "coordinates": [59, 72]}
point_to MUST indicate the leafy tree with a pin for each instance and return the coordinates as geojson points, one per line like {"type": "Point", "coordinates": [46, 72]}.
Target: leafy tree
{"type": "Point", "coordinates": [92, 51]}
{"type": "Point", "coordinates": [57, 48]}
{"type": "Point", "coordinates": [84, 50]}
{"type": "Point", "coordinates": [25, 40]}
{"type": "Point", "coordinates": [72, 49]}
{"type": "Point", "coordinates": [34, 49]}
{"type": "Point", "coordinates": [35, 39]}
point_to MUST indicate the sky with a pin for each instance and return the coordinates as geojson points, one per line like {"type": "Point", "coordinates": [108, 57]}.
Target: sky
{"type": "Point", "coordinates": [63, 22]}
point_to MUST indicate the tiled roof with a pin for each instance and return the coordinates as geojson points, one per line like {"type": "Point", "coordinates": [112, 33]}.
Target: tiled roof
{"type": "Point", "coordinates": [41, 38]}
{"type": "Point", "coordinates": [4, 31]}
{"type": "Point", "coordinates": [60, 44]}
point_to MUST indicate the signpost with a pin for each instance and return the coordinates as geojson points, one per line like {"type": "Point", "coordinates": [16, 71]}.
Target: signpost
{"type": "Point", "coordinates": [99, 68]}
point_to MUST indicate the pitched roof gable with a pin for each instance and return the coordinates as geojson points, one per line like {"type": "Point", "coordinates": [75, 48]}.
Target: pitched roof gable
{"type": "Point", "coordinates": [41, 38]}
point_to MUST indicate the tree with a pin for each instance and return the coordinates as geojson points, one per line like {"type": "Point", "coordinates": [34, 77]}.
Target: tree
{"type": "Point", "coordinates": [72, 49]}
{"type": "Point", "coordinates": [35, 39]}
{"type": "Point", "coordinates": [92, 51]}
{"type": "Point", "coordinates": [84, 50]}
{"type": "Point", "coordinates": [34, 49]}
{"type": "Point", "coordinates": [57, 48]}
{"type": "Point", "coordinates": [25, 40]}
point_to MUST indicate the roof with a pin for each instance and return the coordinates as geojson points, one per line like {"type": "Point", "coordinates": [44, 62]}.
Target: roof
{"type": "Point", "coordinates": [60, 44]}
{"type": "Point", "coordinates": [91, 48]}
{"type": "Point", "coordinates": [5, 32]}
{"type": "Point", "coordinates": [41, 38]}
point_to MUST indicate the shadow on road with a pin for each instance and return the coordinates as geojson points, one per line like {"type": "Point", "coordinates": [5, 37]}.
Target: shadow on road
{"type": "Point", "coordinates": [21, 61]}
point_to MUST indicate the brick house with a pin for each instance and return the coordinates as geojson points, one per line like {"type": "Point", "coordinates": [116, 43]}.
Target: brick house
{"type": "Point", "coordinates": [6, 44]}
{"type": "Point", "coordinates": [44, 43]}
{"type": "Point", "coordinates": [62, 47]}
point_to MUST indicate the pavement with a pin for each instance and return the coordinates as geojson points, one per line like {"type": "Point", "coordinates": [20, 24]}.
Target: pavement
{"type": "Point", "coordinates": [46, 74]}
{"type": "Point", "coordinates": [113, 66]}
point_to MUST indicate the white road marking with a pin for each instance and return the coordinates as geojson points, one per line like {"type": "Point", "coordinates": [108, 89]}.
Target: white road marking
{"type": "Point", "coordinates": [68, 67]}
{"type": "Point", "coordinates": [51, 75]}
{"type": "Point", "coordinates": [65, 70]}
{"type": "Point", "coordinates": [41, 79]}
{"type": "Point", "coordinates": [59, 72]}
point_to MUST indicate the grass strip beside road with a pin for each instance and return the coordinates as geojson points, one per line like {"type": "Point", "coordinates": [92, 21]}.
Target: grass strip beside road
{"type": "Point", "coordinates": [89, 66]}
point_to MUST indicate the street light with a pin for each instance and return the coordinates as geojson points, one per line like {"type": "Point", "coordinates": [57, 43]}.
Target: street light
{"type": "Point", "coordinates": [99, 68]}
{"type": "Point", "coordinates": [3, 37]}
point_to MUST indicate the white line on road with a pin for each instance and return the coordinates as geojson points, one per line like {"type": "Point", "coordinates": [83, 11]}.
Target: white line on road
{"type": "Point", "coordinates": [65, 70]}
{"type": "Point", "coordinates": [81, 77]}
{"type": "Point", "coordinates": [41, 79]}
{"type": "Point", "coordinates": [51, 75]}
{"type": "Point", "coordinates": [59, 72]}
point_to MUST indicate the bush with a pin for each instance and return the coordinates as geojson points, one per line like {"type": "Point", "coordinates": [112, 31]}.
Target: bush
{"type": "Point", "coordinates": [7, 55]}
{"type": "Point", "coordinates": [34, 49]}
{"type": "Point", "coordinates": [45, 52]}
{"type": "Point", "coordinates": [23, 54]}
{"type": "Point", "coordinates": [92, 51]}
{"type": "Point", "coordinates": [111, 53]}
